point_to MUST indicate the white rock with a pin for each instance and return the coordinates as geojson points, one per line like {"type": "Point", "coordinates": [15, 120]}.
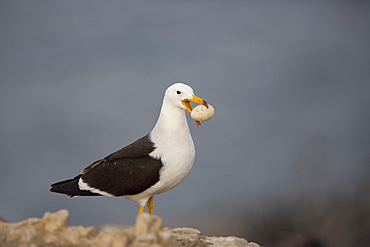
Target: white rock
{"type": "Point", "coordinates": [53, 230]}
{"type": "Point", "coordinates": [202, 113]}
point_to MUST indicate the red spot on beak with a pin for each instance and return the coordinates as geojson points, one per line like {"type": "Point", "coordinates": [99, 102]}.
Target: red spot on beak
{"type": "Point", "coordinates": [197, 123]}
{"type": "Point", "coordinates": [205, 104]}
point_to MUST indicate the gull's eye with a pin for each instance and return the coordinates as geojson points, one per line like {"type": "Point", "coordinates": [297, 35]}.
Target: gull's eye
{"type": "Point", "coordinates": [179, 92]}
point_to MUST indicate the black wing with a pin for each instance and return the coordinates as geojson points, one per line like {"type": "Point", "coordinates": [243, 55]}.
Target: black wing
{"type": "Point", "coordinates": [70, 187]}
{"type": "Point", "coordinates": [128, 171]}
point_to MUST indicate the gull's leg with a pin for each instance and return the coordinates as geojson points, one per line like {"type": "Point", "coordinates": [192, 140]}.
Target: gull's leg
{"type": "Point", "coordinates": [150, 205]}
{"type": "Point", "coordinates": [141, 210]}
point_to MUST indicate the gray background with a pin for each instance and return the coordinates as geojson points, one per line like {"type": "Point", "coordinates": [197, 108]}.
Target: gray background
{"type": "Point", "coordinates": [289, 82]}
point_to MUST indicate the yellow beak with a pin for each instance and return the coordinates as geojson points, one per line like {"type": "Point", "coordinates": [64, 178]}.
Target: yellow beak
{"type": "Point", "coordinates": [196, 99]}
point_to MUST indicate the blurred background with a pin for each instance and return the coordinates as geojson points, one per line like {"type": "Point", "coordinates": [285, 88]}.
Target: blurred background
{"type": "Point", "coordinates": [284, 162]}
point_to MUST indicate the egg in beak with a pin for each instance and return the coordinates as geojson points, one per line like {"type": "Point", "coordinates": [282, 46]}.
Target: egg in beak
{"type": "Point", "coordinates": [196, 99]}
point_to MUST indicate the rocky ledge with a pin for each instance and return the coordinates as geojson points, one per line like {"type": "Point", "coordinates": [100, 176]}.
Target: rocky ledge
{"type": "Point", "coordinates": [53, 231]}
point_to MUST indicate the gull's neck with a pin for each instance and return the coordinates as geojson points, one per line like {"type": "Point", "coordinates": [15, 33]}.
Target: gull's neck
{"type": "Point", "coordinates": [171, 122]}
